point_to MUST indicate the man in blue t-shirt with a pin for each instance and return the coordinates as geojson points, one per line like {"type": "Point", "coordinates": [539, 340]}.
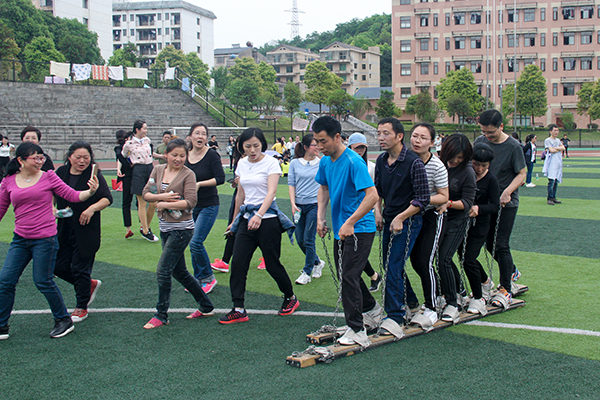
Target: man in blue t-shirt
{"type": "Point", "coordinates": [345, 179]}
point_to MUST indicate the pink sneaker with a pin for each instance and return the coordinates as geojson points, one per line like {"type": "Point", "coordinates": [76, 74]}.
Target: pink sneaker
{"type": "Point", "coordinates": [208, 287]}
{"type": "Point", "coordinates": [220, 265]}
{"type": "Point", "coordinates": [262, 264]}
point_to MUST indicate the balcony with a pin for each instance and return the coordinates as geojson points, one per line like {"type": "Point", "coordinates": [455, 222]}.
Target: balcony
{"type": "Point", "coordinates": [576, 3]}
{"type": "Point", "coordinates": [467, 33]}
{"type": "Point", "coordinates": [478, 57]}
{"type": "Point", "coordinates": [422, 35]}
{"type": "Point", "coordinates": [422, 59]}
{"type": "Point", "coordinates": [423, 83]}
{"type": "Point", "coordinates": [522, 31]}
{"type": "Point", "coordinates": [467, 9]}
{"type": "Point", "coordinates": [577, 54]}
{"type": "Point", "coordinates": [522, 56]}
{"type": "Point", "coordinates": [421, 11]}
{"type": "Point", "coordinates": [521, 6]}
{"type": "Point", "coordinates": [568, 105]}
{"type": "Point", "coordinates": [585, 28]}
{"type": "Point", "coordinates": [576, 79]}
{"type": "Point", "coordinates": [340, 72]}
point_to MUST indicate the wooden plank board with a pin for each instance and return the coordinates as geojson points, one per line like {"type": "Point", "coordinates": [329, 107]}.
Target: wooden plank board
{"type": "Point", "coordinates": [334, 352]}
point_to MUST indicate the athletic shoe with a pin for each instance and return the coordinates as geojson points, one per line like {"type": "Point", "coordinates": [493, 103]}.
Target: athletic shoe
{"type": "Point", "coordinates": [94, 289]}
{"type": "Point", "coordinates": [556, 201]}
{"type": "Point", "coordinates": [486, 289]}
{"type": "Point", "coordinates": [233, 317]}
{"type": "Point", "coordinates": [516, 275]}
{"type": "Point", "coordinates": [220, 265]}
{"type": "Point", "coordinates": [376, 284]}
{"type": "Point", "coordinates": [289, 306]}
{"type": "Point", "coordinates": [79, 314]}
{"type": "Point", "coordinates": [62, 327]}
{"type": "Point", "coordinates": [477, 306]}
{"type": "Point", "coordinates": [262, 264]}
{"type": "Point", "coordinates": [351, 337]}
{"type": "Point", "coordinates": [209, 286]}
{"type": "Point", "coordinates": [432, 315]}
{"type": "Point", "coordinates": [154, 323]}
{"type": "Point", "coordinates": [151, 237]}
{"type": "Point", "coordinates": [128, 235]}
{"type": "Point", "coordinates": [303, 279]}
{"type": "Point", "coordinates": [550, 202]}
{"type": "Point", "coordinates": [200, 314]}
{"type": "Point", "coordinates": [530, 185]}
{"type": "Point", "coordinates": [4, 332]}
{"type": "Point", "coordinates": [502, 292]}
{"type": "Point", "coordinates": [318, 269]}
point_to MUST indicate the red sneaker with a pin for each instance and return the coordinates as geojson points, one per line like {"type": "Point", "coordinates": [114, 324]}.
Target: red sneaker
{"type": "Point", "coordinates": [262, 264]}
{"type": "Point", "coordinates": [289, 306]}
{"type": "Point", "coordinates": [220, 265]}
{"type": "Point", "coordinates": [79, 315]}
{"type": "Point", "coordinates": [233, 317]}
{"type": "Point", "coordinates": [94, 289]}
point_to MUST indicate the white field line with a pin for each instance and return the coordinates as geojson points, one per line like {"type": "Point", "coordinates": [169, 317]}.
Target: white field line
{"type": "Point", "coordinates": [322, 314]}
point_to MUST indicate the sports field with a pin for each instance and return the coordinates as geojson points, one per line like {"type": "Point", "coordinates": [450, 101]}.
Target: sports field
{"type": "Point", "coordinates": [549, 349]}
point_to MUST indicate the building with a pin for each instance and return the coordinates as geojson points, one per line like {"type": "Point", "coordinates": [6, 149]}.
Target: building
{"type": "Point", "coordinates": [95, 14]}
{"type": "Point", "coordinates": [560, 37]}
{"type": "Point", "coordinates": [153, 25]}
{"type": "Point", "coordinates": [358, 68]}
{"type": "Point", "coordinates": [290, 63]}
{"type": "Point", "coordinates": [226, 57]}
{"type": "Point", "coordinates": [372, 95]}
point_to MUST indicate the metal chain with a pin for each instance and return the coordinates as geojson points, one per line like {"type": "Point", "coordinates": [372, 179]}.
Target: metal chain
{"type": "Point", "coordinates": [490, 264]}
{"type": "Point", "coordinates": [436, 260]}
{"type": "Point", "coordinates": [404, 275]}
{"type": "Point", "coordinates": [464, 282]}
{"type": "Point", "coordinates": [325, 354]}
{"type": "Point", "coordinates": [331, 328]}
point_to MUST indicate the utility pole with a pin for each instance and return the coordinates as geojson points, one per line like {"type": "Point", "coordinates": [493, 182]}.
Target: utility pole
{"type": "Point", "coordinates": [295, 21]}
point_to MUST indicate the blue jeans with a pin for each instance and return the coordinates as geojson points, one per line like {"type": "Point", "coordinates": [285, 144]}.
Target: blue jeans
{"type": "Point", "coordinates": [552, 187]}
{"type": "Point", "coordinates": [530, 166]}
{"type": "Point", "coordinates": [306, 230]}
{"type": "Point", "coordinates": [21, 251]}
{"type": "Point", "coordinates": [394, 283]}
{"type": "Point", "coordinates": [205, 219]}
{"type": "Point", "coordinates": [172, 263]}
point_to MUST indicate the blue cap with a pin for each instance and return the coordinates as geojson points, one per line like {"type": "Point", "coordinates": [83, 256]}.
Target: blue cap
{"type": "Point", "coordinates": [357, 138]}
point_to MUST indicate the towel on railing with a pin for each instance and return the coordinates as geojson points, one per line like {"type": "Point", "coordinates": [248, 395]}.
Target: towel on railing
{"type": "Point", "coordinates": [185, 84]}
{"type": "Point", "coordinates": [100, 72]}
{"type": "Point", "coordinates": [55, 79]}
{"type": "Point", "coordinates": [60, 69]}
{"type": "Point", "coordinates": [170, 73]}
{"type": "Point", "coordinates": [115, 73]}
{"type": "Point", "coordinates": [137, 73]}
{"type": "Point", "coordinates": [82, 71]}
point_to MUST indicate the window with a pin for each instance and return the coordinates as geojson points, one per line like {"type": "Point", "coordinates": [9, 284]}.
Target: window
{"type": "Point", "coordinates": [568, 89]}
{"type": "Point", "coordinates": [543, 14]}
{"type": "Point", "coordinates": [513, 15]}
{"type": "Point", "coordinates": [475, 67]}
{"type": "Point", "coordinates": [132, 32]}
{"type": "Point", "coordinates": [568, 13]}
{"type": "Point", "coordinates": [499, 41]}
{"type": "Point", "coordinates": [131, 18]}
{"type": "Point", "coordinates": [277, 69]}
{"type": "Point", "coordinates": [513, 65]}
{"type": "Point", "coordinates": [175, 19]}
{"type": "Point", "coordinates": [529, 15]}
{"type": "Point", "coordinates": [542, 39]}
{"type": "Point", "coordinates": [197, 35]}
{"type": "Point", "coordinates": [404, 22]}
{"type": "Point", "coordinates": [355, 76]}
{"type": "Point", "coordinates": [364, 77]}
{"type": "Point", "coordinates": [475, 17]}
{"type": "Point", "coordinates": [166, 31]}
{"type": "Point", "coordinates": [343, 67]}
{"type": "Point", "coordinates": [586, 63]}
{"type": "Point", "coordinates": [555, 64]}
{"type": "Point", "coordinates": [158, 32]}
{"type": "Point", "coordinates": [405, 92]}
{"type": "Point", "coordinates": [404, 2]}
{"type": "Point", "coordinates": [569, 64]}
{"type": "Point", "coordinates": [488, 16]}
{"type": "Point", "coordinates": [586, 37]}
{"type": "Point", "coordinates": [158, 16]}
{"type": "Point", "coordinates": [598, 66]}
{"type": "Point", "coordinates": [447, 43]}
{"type": "Point", "coordinates": [404, 69]}
{"type": "Point", "coordinates": [499, 65]}
{"type": "Point", "coordinates": [459, 18]}
{"type": "Point", "coordinates": [555, 89]}
{"type": "Point", "coordinates": [458, 65]}
{"type": "Point", "coordinates": [159, 45]}
{"type": "Point", "coordinates": [84, 3]}
{"type": "Point", "coordinates": [447, 66]}
{"type": "Point", "coordinates": [424, 44]}
{"type": "Point", "coordinates": [489, 41]}
{"type": "Point", "coordinates": [424, 68]}
{"type": "Point", "coordinates": [197, 21]}
{"type": "Point", "coordinates": [116, 35]}
{"type": "Point", "coordinates": [511, 41]}
{"type": "Point", "coordinates": [598, 37]}
{"type": "Point", "coordinates": [529, 41]}
{"type": "Point", "coordinates": [489, 67]}
{"type": "Point", "coordinates": [499, 16]}
{"type": "Point", "coordinates": [330, 67]}
{"type": "Point", "coordinates": [569, 39]}
{"type": "Point", "coordinates": [555, 13]}
{"type": "Point", "coordinates": [364, 55]}
{"type": "Point", "coordinates": [587, 12]}
{"type": "Point", "coordinates": [424, 20]}
{"type": "Point", "coordinates": [435, 68]}
{"type": "Point", "coordinates": [289, 69]}
{"type": "Point", "coordinates": [476, 42]}
{"type": "Point", "coordinates": [555, 39]}
{"type": "Point", "coordinates": [435, 19]}
{"type": "Point", "coordinates": [166, 16]}
{"type": "Point", "coordinates": [303, 66]}
{"type": "Point", "coordinates": [435, 43]}
{"type": "Point", "coordinates": [447, 19]}
{"type": "Point", "coordinates": [500, 90]}
{"type": "Point", "coordinates": [364, 66]}
{"type": "Point", "coordinates": [459, 43]}
{"type": "Point", "coordinates": [542, 64]}
{"type": "Point", "coordinates": [85, 21]}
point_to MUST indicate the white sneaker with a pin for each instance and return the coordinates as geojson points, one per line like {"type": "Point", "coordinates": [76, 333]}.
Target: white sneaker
{"type": "Point", "coordinates": [530, 185]}
{"type": "Point", "coordinates": [432, 315]}
{"type": "Point", "coordinates": [303, 279]}
{"type": "Point", "coordinates": [477, 306]}
{"type": "Point", "coordinates": [351, 337]}
{"type": "Point", "coordinates": [318, 269]}
{"type": "Point", "coordinates": [486, 289]}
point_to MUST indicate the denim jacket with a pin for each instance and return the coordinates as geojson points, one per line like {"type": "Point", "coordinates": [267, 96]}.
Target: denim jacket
{"type": "Point", "coordinates": [287, 225]}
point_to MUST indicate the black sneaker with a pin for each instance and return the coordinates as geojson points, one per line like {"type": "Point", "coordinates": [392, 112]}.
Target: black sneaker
{"type": "Point", "coordinates": [151, 237]}
{"type": "Point", "coordinates": [4, 332]}
{"type": "Point", "coordinates": [62, 327]}
{"type": "Point", "coordinates": [233, 317]}
{"type": "Point", "coordinates": [376, 284]}
{"type": "Point", "coordinates": [556, 201]}
{"type": "Point", "coordinates": [289, 306]}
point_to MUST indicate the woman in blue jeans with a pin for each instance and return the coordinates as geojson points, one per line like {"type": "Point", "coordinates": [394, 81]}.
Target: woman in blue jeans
{"type": "Point", "coordinates": [206, 165]}
{"type": "Point", "coordinates": [303, 196]}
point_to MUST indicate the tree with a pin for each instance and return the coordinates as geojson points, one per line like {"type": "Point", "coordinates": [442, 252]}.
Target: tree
{"type": "Point", "coordinates": [459, 106]}
{"type": "Point", "coordinates": [243, 93]}
{"type": "Point", "coordinates": [568, 120]}
{"type": "Point", "coordinates": [385, 105]}
{"type": "Point", "coordinates": [531, 93]}
{"type": "Point", "coordinates": [462, 84]}
{"type": "Point", "coordinates": [126, 56]}
{"type": "Point", "coordinates": [338, 102]}
{"type": "Point", "coordinates": [359, 107]}
{"type": "Point", "coordinates": [267, 75]}
{"type": "Point", "coordinates": [175, 58]}
{"type": "Point", "coordinates": [270, 101]}
{"type": "Point", "coordinates": [26, 21]}
{"type": "Point", "coordinates": [75, 41]}
{"type": "Point", "coordinates": [221, 79]}
{"type": "Point", "coordinates": [584, 99]}
{"type": "Point", "coordinates": [508, 103]}
{"type": "Point", "coordinates": [198, 69]}
{"type": "Point", "coordinates": [320, 83]}
{"type": "Point", "coordinates": [8, 46]}
{"type": "Point", "coordinates": [423, 106]}
{"type": "Point", "coordinates": [42, 50]}
{"type": "Point", "coordinates": [292, 97]}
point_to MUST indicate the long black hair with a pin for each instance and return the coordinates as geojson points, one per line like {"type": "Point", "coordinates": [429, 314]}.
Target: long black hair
{"type": "Point", "coordinates": [25, 149]}
{"type": "Point", "coordinates": [122, 136]}
{"type": "Point", "coordinates": [79, 144]}
{"type": "Point", "coordinates": [301, 147]}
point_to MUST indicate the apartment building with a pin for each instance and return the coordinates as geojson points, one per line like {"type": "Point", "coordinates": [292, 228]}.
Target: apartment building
{"type": "Point", "coordinates": [358, 68]}
{"type": "Point", "coordinates": [496, 40]}
{"type": "Point", "coordinates": [226, 57]}
{"type": "Point", "coordinates": [153, 25]}
{"type": "Point", "coordinates": [290, 63]}
{"type": "Point", "coordinates": [95, 14]}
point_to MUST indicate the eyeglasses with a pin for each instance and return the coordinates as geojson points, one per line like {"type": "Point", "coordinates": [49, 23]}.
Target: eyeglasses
{"type": "Point", "coordinates": [39, 159]}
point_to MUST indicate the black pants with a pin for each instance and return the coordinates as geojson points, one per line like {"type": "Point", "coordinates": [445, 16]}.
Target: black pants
{"type": "Point", "coordinates": [356, 297]}
{"type": "Point", "coordinates": [452, 234]}
{"type": "Point", "coordinates": [503, 255]}
{"type": "Point", "coordinates": [230, 240]}
{"type": "Point", "coordinates": [127, 198]}
{"type": "Point", "coordinates": [473, 268]}
{"type": "Point", "coordinates": [369, 271]}
{"type": "Point", "coordinates": [268, 238]}
{"type": "Point", "coordinates": [3, 163]}
{"type": "Point", "coordinates": [75, 269]}
{"type": "Point", "coordinates": [422, 259]}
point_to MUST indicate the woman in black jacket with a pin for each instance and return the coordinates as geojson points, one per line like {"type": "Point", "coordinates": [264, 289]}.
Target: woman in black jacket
{"type": "Point", "coordinates": [529, 151]}
{"type": "Point", "coordinates": [79, 234]}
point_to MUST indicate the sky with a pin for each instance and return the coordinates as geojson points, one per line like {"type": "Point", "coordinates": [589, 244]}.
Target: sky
{"type": "Point", "coordinates": [260, 21]}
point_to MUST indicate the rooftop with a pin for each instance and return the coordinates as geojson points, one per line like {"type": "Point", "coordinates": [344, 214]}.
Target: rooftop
{"type": "Point", "coordinates": [371, 92]}
{"type": "Point", "coordinates": [161, 5]}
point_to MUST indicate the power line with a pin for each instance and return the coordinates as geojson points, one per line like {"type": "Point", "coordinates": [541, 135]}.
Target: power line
{"type": "Point", "coordinates": [295, 21]}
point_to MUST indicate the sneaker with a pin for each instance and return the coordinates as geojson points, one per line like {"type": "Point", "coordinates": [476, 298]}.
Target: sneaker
{"type": "Point", "coordinates": [4, 332]}
{"type": "Point", "coordinates": [303, 279]}
{"type": "Point", "coordinates": [200, 314]}
{"type": "Point", "coordinates": [372, 319]}
{"type": "Point", "coordinates": [556, 201]}
{"type": "Point", "coordinates": [128, 235]}
{"type": "Point", "coordinates": [79, 314]}
{"type": "Point", "coordinates": [151, 237]}
{"type": "Point", "coordinates": [62, 327]}
{"type": "Point", "coordinates": [318, 269]}
{"type": "Point", "coordinates": [530, 185]}
{"type": "Point", "coordinates": [233, 317]}
{"type": "Point", "coordinates": [431, 314]}
{"type": "Point", "coordinates": [498, 302]}
{"type": "Point", "coordinates": [516, 275]}
{"type": "Point", "coordinates": [486, 289]}
{"type": "Point", "coordinates": [262, 264]}
{"type": "Point", "coordinates": [376, 284]}
{"type": "Point", "coordinates": [450, 314]}
{"type": "Point", "coordinates": [220, 265]}
{"type": "Point", "coordinates": [550, 202]}
{"type": "Point", "coordinates": [209, 286]}
{"type": "Point", "coordinates": [94, 290]}
{"type": "Point", "coordinates": [351, 337]}
{"type": "Point", "coordinates": [289, 306]}
{"type": "Point", "coordinates": [477, 306]}
{"type": "Point", "coordinates": [413, 307]}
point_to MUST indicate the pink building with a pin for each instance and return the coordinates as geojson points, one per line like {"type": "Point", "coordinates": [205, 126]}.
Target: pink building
{"type": "Point", "coordinates": [430, 38]}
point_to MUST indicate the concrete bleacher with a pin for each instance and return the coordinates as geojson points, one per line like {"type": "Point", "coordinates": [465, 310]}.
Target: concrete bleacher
{"type": "Point", "coordinates": [65, 113]}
